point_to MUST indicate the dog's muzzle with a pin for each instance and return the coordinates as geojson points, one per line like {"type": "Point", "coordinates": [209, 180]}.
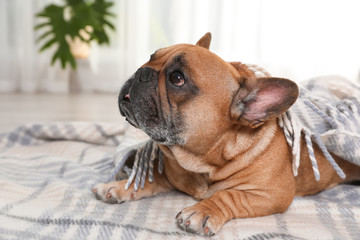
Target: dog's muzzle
{"type": "Point", "coordinates": [135, 92]}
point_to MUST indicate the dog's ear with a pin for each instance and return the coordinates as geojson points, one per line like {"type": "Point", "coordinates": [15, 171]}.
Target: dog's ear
{"type": "Point", "coordinates": [262, 99]}
{"type": "Point", "coordinates": [205, 41]}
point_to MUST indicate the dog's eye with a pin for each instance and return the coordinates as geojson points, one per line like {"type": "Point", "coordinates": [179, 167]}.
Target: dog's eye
{"type": "Point", "coordinates": [177, 79]}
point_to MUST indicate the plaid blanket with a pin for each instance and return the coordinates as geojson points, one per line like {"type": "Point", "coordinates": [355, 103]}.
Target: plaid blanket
{"type": "Point", "coordinates": [48, 169]}
{"type": "Point", "coordinates": [327, 113]}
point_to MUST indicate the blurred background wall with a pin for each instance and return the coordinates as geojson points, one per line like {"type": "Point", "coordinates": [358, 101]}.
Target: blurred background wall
{"type": "Point", "coordinates": [294, 39]}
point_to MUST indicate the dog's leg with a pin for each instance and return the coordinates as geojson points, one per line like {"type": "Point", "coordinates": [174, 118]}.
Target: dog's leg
{"type": "Point", "coordinates": [209, 215]}
{"type": "Point", "coordinates": [115, 192]}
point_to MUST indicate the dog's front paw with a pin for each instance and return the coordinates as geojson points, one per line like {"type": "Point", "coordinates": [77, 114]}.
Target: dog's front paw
{"type": "Point", "coordinates": [113, 192]}
{"type": "Point", "coordinates": [200, 220]}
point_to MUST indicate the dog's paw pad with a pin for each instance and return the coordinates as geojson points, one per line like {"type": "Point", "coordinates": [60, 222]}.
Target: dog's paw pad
{"type": "Point", "coordinates": [108, 195]}
{"type": "Point", "coordinates": [197, 221]}
{"type": "Point", "coordinates": [208, 231]}
{"type": "Point", "coordinates": [133, 196]}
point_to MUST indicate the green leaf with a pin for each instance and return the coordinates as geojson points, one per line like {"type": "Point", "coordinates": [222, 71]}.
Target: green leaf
{"type": "Point", "coordinates": [109, 24]}
{"type": "Point", "coordinates": [44, 35]}
{"type": "Point", "coordinates": [42, 14]}
{"type": "Point", "coordinates": [64, 55]}
{"type": "Point", "coordinates": [72, 61]}
{"type": "Point", "coordinates": [48, 44]}
{"type": "Point", "coordinates": [110, 14]}
{"type": "Point", "coordinates": [63, 62]}
{"type": "Point", "coordinates": [53, 59]}
{"type": "Point", "coordinates": [41, 25]}
{"type": "Point", "coordinates": [101, 37]}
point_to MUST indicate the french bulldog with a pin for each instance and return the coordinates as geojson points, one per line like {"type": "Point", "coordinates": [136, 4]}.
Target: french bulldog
{"type": "Point", "coordinates": [215, 123]}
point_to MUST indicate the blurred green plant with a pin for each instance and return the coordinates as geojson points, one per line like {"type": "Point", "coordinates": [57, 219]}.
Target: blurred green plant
{"type": "Point", "coordinates": [71, 21]}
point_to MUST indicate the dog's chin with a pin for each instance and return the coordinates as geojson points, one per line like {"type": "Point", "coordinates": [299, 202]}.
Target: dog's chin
{"type": "Point", "coordinates": [132, 122]}
{"type": "Point", "coordinates": [164, 136]}
{"type": "Point", "coordinates": [158, 130]}
{"type": "Point", "coordinates": [153, 132]}
{"type": "Point", "coordinates": [159, 140]}
{"type": "Point", "coordinates": [126, 112]}
{"type": "Point", "coordinates": [157, 133]}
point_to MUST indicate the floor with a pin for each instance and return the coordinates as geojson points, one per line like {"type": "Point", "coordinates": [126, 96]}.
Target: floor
{"type": "Point", "coordinates": [18, 109]}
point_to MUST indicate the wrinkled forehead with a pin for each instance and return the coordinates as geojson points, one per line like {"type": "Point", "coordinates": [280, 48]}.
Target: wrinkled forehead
{"type": "Point", "coordinates": [165, 56]}
{"type": "Point", "coordinates": [164, 53]}
{"type": "Point", "coordinates": [187, 54]}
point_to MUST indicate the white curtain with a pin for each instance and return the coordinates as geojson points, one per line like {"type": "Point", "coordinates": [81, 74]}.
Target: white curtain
{"type": "Point", "coordinates": [294, 39]}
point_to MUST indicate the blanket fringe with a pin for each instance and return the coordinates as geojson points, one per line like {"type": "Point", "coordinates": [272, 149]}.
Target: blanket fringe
{"type": "Point", "coordinates": [339, 118]}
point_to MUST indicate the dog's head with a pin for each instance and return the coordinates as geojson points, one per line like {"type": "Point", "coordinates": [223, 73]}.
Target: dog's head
{"type": "Point", "coordinates": [186, 94]}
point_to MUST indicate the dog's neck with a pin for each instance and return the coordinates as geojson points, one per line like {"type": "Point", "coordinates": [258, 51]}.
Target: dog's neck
{"type": "Point", "coordinates": [243, 148]}
{"type": "Point", "coordinates": [235, 150]}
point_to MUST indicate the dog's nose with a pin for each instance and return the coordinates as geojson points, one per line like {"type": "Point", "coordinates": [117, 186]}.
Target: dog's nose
{"type": "Point", "coordinates": [145, 74]}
